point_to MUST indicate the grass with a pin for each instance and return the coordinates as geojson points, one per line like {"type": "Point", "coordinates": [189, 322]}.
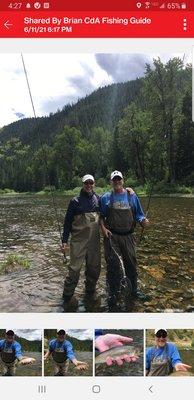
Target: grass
{"type": "Point", "coordinates": [13, 262]}
{"type": "Point", "coordinates": [159, 189]}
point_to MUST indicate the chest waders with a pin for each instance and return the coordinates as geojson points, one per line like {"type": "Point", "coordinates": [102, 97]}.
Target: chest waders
{"type": "Point", "coordinates": [8, 361]}
{"type": "Point", "coordinates": [120, 252]}
{"type": "Point", "coordinates": [84, 249]}
{"type": "Point", "coordinates": [60, 362]}
{"type": "Point", "coordinates": [160, 365]}
{"type": "Point", "coordinates": [8, 355]}
{"type": "Point", "coordinates": [59, 356]}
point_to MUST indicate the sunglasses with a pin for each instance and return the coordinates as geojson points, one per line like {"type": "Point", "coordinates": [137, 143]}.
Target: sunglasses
{"type": "Point", "coordinates": [88, 183]}
{"type": "Point", "coordinates": [161, 334]}
{"type": "Point", "coordinates": [117, 178]}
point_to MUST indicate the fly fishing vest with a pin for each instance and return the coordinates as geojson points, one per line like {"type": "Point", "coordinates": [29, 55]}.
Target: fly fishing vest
{"type": "Point", "coordinates": [59, 355]}
{"type": "Point", "coordinates": [160, 365]}
{"type": "Point", "coordinates": [120, 220]}
{"type": "Point", "coordinates": [8, 354]}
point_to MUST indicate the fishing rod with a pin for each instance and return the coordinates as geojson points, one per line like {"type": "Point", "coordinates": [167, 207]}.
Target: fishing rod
{"type": "Point", "coordinates": [45, 158]}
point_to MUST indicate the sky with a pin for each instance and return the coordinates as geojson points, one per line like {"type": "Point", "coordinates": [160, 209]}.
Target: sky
{"type": "Point", "coordinates": [81, 334]}
{"type": "Point", "coordinates": [29, 334]}
{"type": "Point", "coordinates": [60, 79]}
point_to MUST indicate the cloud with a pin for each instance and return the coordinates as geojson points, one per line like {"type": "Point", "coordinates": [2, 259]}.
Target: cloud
{"type": "Point", "coordinates": [81, 334]}
{"type": "Point", "coordinates": [29, 334]}
{"type": "Point", "coordinates": [18, 114]}
{"type": "Point", "coordinates": [52, 104]}
{"type": "Point", "coordinates": [123, 67]}
{"type": "Point", "coordinates": [76, 86]}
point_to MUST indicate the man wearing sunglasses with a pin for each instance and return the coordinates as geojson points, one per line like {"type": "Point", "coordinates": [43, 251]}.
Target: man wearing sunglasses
{"type": "Point", "coordinates": [82, 222]}
{"type": "Point", "coordinates": [120, 210]}
{"type": "Point", "coordinates": [163, 357]}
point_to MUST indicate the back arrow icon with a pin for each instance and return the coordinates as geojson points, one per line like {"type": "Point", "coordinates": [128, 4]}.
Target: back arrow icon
{"type": "Point", "coordinates": [7, 24]}
{"type": "Point", "coordinates": [150, 389]}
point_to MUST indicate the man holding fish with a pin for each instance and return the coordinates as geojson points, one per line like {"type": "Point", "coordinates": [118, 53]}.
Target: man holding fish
{"type": "Point", "coordinates": [164, 358]}
{"type": "Point", "coordinates": [62, 353]}
{"type": "Point", "coordinates": [11, 354]}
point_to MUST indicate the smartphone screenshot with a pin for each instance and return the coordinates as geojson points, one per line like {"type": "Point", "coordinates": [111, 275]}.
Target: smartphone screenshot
{"type": "Point", "coordinates": [96, 199]}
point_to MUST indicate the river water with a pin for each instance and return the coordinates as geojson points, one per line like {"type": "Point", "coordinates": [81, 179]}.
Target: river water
{"type": "Point", "coordinates": [34, 369]}
{"type": "Point", "coordinates": [28, 228]}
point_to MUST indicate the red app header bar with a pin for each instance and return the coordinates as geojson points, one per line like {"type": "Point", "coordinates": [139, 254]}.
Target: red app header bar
{"type": "Point", "coordinates": [97, 24]}
{"type": "Point", "coordinates": [97, 5]}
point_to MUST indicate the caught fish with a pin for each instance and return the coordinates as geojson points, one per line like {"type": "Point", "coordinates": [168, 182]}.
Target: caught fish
{"type": "Point", "coordinates": [117, 352]}
{"type": "Point", "coordinates": [181, 373]}
{"type": "Point", "coordinates": [27, 360]}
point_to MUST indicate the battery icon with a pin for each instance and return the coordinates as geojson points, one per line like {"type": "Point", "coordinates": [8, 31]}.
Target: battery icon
{"type": "Point", "coordinates": [183, 6]}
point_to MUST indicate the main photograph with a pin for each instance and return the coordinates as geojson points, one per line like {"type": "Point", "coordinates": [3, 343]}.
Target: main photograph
{"type": "Point", "coordinates": [96, 183]}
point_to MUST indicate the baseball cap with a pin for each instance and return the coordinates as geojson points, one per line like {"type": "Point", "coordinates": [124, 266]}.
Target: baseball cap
{"type": "Point", "coordinates": [61, 331]}
{"type": "Point", "coordinates": [88, 178]}
{"type": "Point", "coordinates": [9, 332]}
{"type": "Point", "coordinates": [116, 173]}
{"type": "Point", "coordinates": [161, 329]}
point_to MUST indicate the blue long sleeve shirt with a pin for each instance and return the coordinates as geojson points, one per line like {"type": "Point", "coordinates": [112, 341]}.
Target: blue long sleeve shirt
{"type": "Point", "coordinates": [14, 346]}
{"type": "Point", "coordinates": [122, 199]}
{"type": "Point", "coordinates": [98, 332]}
{"type": "Point", "coordinates": [160, 352]}
{"type": "Point", "coordinates": [84, 203]}
{"type": "Point", "coordinates": [66, 346]}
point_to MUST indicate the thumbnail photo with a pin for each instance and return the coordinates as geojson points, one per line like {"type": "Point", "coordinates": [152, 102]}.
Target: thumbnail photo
{"type": "Point", "coordinates": [68, 352]}
{"type": "Point", "coordinates": [170, 352]}
{"type": "Point", "coordinates": [96, 183]}
{"type": "Point", "coordinates": [119, 352]}
{"type": "Point", "coordinates": [20, 352]}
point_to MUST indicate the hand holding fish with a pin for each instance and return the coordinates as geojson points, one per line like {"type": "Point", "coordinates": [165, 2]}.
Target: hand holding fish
{"type": "Point", "coordinates": [81, 366]}
{"type": "Point", "coordinates": [106, 342]}
{"type": "Point", "coordinates": [182, 367]}
{"type": "Point", "coordinates": [112, 341]}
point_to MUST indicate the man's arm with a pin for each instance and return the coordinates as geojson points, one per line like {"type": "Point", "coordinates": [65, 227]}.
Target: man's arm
{"type": "Point", "coordinates": [139, 214]}
{"type": "Point", "coordinates": [103, 213]}
{"type": "Point", "coordinates": [68, 224]}
{"type": "Point", "coordinates": [47, 354]}
{"type": "Point", "coordinates": [148, 360]}
{"type": "Point", "coordinates": [71, 356]}
{"type": "Point", "coordinates": [18, 351]}
{"type": "Point", "coordinates": [176, 360]}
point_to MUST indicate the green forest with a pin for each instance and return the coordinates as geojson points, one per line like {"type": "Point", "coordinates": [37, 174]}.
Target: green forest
{"type": "Point", "coordinates": [143, 128]}
{"type": "Point", "coordinates": [78, 345]}
{"type": "Point", "coordinates": [27, 345]}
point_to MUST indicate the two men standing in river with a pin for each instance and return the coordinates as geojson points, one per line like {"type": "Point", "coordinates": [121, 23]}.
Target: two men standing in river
{"type": "Point", "coordinates": [116, 213]}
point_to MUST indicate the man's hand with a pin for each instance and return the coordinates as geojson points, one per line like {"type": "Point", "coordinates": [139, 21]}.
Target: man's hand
{"type": "Point", "coordinates": [182, 367]}
{"type": "Point", "coordinates": [64, 247]}
{"type": "Point", "coordinates": [145, 222]}
{"type": "Point", "coordinates": [81, 366]}
{"type": "Point", "coordinates": [130, 190]}
{"type": "Point", "coordinates": [106, 233]}
{"type": "Point", "coordinates": [108, 341]}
